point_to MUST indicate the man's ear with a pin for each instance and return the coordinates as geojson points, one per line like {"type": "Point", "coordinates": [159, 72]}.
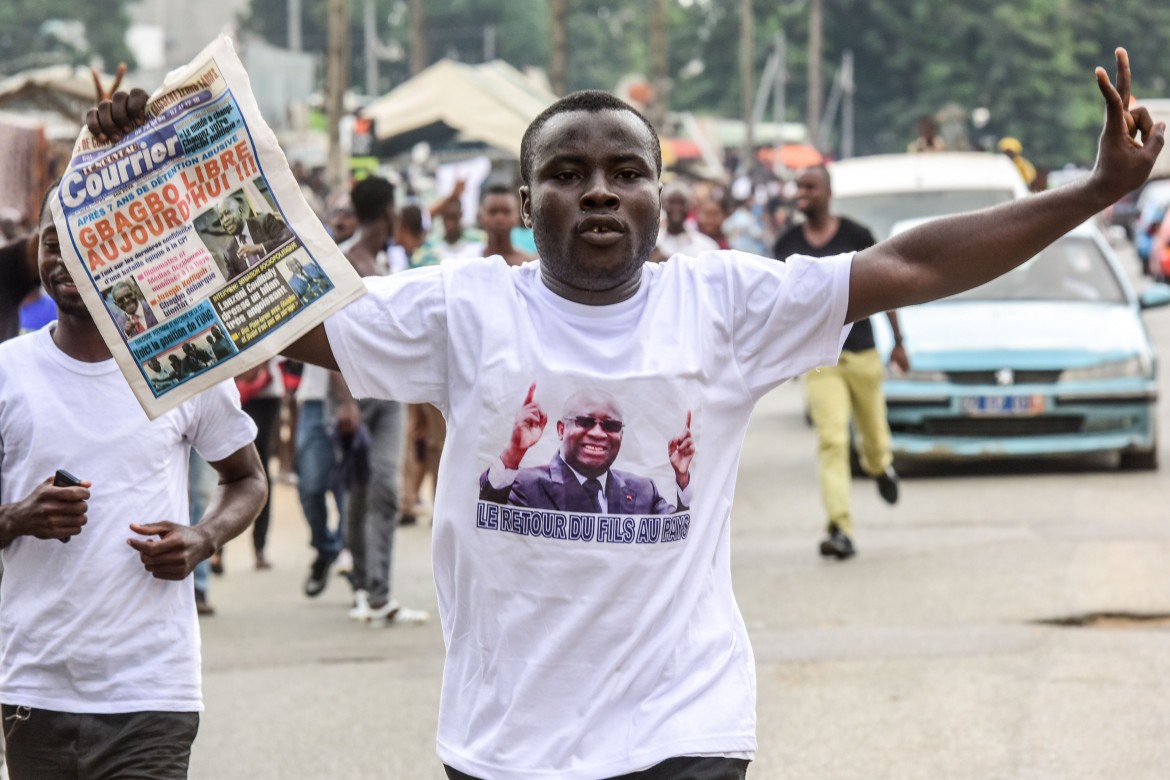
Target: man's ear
{"type": "Point", "coordinates": [526, 210]}
{"type": "Point", "coordinates": [561, 430]}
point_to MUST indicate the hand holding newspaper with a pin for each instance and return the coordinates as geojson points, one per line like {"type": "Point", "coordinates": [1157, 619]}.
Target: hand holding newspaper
{"type": "Point", "coordinates": [189, 238]}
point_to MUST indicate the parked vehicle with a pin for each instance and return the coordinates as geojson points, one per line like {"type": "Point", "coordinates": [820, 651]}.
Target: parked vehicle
{"type": "Point", "coordinates": [1049, 359]}
{"type": "Point", "coordinates": [883, 189]}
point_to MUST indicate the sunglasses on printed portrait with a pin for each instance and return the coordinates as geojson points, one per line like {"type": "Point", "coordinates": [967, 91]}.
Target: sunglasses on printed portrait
{"type": "Point", "coordinates": [587, 423]}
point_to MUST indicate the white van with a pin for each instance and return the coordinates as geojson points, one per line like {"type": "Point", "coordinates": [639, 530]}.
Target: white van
{"type": "Point", "coordinates": [882, 189]}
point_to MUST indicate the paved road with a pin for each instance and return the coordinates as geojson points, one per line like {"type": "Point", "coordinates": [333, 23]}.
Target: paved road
{"type": "Point", "coordinates": [922, 658]}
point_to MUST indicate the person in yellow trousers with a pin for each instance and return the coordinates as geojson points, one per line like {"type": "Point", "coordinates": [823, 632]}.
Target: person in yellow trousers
{"type": "Point", "coordinates": [853, 388]}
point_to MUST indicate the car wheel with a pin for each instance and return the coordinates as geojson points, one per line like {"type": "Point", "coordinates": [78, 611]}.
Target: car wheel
{"type": "Point", "coordinates": [1140, 460]}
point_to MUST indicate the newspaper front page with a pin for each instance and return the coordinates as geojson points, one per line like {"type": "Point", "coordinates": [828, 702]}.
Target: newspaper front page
{"type": "Point", "coordinates": [201, 256]}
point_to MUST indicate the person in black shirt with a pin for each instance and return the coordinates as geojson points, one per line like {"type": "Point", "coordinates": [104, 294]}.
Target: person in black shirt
{"type": "Point", "coordinates": [853, 387]}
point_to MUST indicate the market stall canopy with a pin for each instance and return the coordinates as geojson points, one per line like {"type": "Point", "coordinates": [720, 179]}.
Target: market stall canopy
{"type": "Point", "coordinates": [453, 102]}
{"type": "Point", "coordinates": [60, 89]}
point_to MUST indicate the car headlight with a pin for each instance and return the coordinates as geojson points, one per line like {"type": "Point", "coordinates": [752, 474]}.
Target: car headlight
{"type": "Point", "coordinates": [1138, 365]}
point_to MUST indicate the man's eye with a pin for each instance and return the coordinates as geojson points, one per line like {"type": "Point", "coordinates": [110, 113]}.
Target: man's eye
{"type": "Point", "coordinates": [628, 175]}
{"type": "Point", "coordinates": [566, 176]}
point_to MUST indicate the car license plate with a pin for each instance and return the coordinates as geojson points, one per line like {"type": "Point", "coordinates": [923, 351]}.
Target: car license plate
{"type": "Point", "coordinates": [1004, 404]}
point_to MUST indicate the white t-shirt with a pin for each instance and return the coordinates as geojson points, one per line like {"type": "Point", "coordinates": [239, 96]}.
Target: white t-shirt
{"type": "Point", "coordinates": [689, 242]}
{"type": "Point", "coordinates": [84, 627]}
{"type": "Point", "coordinates": [585, 645]}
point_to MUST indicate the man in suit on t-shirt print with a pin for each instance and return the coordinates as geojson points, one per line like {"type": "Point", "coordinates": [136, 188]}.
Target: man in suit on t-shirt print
{"type": "Point", "coordinates": [580, 478]}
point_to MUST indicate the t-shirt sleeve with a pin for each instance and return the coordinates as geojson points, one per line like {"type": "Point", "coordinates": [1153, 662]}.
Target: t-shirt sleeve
{"type": "Point", "coordinates": [392, 342]}
{"type": "Point", "coordinates": [218, 426]}
{"type": "Point", "coordinates": [789, 317]}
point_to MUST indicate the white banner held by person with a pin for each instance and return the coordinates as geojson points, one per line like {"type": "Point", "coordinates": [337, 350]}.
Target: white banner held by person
{"type": "Point", "coordinates": [201, 256]}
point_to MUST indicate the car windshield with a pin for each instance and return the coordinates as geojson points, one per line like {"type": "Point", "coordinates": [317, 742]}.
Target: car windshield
{"type": "Point", "coordinates": [1072, 269]}
{"type": "Point", "coordinates": [880, 212]}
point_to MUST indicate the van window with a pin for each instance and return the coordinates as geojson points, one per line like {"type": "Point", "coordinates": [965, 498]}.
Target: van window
{"type": "Point", "coordinates": [880, 212]}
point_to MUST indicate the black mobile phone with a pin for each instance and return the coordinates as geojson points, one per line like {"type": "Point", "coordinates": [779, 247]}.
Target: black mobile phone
{"type": "Point", "coordinates": [64, 479]}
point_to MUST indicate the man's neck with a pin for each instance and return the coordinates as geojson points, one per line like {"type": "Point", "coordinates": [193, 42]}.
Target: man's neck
{"type": "Point", "coordinates": [820, 227]}
{"type": "Point", "coordinates": [78, 337]}
{"type": "Point", "coordinates": [676, 230]}
{"type": "Point", "coordinates": [622, 292]}
{"type": "Point", "coordinates": [498, 244]}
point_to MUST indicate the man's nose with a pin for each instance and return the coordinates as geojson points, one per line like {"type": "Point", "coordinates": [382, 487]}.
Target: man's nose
{"type": "Point", "coordinates": [599, 194]}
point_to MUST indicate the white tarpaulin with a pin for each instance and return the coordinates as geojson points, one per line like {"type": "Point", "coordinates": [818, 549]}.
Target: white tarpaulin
{"type": "Point", "coordinates": [491, 103]}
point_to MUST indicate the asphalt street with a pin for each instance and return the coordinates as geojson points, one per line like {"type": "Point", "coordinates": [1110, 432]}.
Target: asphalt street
{"type": "Point", "coordinates": [931, 655]}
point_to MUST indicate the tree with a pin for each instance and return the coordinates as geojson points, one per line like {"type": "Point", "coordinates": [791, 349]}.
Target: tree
{"type": "Point", "coordinates": [36, 33]}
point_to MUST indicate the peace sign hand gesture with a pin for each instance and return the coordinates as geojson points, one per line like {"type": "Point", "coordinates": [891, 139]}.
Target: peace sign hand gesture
{"type": "Point", "coordinates": [116, 113]}
{"type": "Point", "coordinates": [1123, 160]}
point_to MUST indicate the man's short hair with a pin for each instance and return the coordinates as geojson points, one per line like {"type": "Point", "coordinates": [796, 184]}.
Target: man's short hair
{"type": "Point", "coordinates": [410, 219]}
{"type": "Point", "coordinates": [371, 197]}
{"type": "Point", "coordinates": [592, 101]}
{"type": "Point", "coordinates": [498, 188]}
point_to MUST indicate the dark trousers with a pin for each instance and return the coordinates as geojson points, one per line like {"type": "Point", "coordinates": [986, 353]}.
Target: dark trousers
{"type": "Point", "coordinates": [681, 768]}
{"type": "Point", "coordinates": [48, 745]}
{"type": "Point", "coordinates": [265, 412]}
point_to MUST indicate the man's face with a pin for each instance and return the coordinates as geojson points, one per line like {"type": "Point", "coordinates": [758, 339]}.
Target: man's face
{"type": "Point", "coordinates": [296, 267]}
{"type": "Point", "coordinates": [676, 205]}
{"type": "Point", "coordinates": [174, 360]}
{"type": "Point", "coordinates": [154, 365]}
{"type": "Point", "coordinates": [189, 348]}
{"type": "Point", "coordinates": [126, 300]}
{"type": "Point", "coordinates": [499, 213]}
{"type": "Point", "coordinates": [710, 218]}
{"type": "Point", "coordinates": [231, 216]}
{"type": "Point", "coordinates": [585, 444]}
{"type": "Point", "coordinates": [812, 191]}
{"type": "Point", "coordinates": [54, 278]}
{"type": "Point", "coordinates": [452, 216]}
{"type": "Point", "coordinates": [343, 224]}
{"type": "Point", "coordinates": [593, 202]}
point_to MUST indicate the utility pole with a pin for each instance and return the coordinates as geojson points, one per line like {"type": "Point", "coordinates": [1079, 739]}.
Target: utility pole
{"type": "Point", "coordinates": [418, 37]}
{"type": "Point", "coordinates": [659, 68]}
{"type": "Point", "coordinates": [848, 87]}
{"type": "Point", "coordinates": [815, 86]}
{"type": "Point", "coordinates": [295, 40]}
{"type": "Point", "coordinates": [779, 94]}
{"type": "Point", "coordinates": [746, 25]}
{"type": "Point", "coordinates": [558, 55]}
{"type": "Point", "coordinates": [336, 71]}
{"type": "Point", "coordinates": [370, 46]}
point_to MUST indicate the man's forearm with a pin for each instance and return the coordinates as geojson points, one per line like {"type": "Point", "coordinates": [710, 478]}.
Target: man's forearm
{"type": "Point", "coordinates": [238, 498]}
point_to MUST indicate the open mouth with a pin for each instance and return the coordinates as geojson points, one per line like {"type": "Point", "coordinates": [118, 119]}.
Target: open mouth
{"type": "Point", "coordinates": [601, 231]}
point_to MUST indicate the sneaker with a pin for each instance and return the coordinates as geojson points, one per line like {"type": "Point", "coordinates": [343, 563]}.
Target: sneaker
{"type": "Point", "coordinates": [887, 485]}
{"type": "Point", "coordinates": [838, 545]}
{"type": "Point", "coordinates": [217, 562]}
{"type": "Point", "coordinates": [318, 575]}
{"type": "Point", "coordinates": [393, 614]}
{"type": "Point", "coordinates": [202, 606]}
{"type": "Point", "coordinates": [361, 606]}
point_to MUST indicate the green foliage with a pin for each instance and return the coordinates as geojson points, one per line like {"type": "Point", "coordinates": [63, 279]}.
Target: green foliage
{"type": "Point", "coordinates": [36, 33]}
{"type": "Point", "coordinates": [1028, 62]}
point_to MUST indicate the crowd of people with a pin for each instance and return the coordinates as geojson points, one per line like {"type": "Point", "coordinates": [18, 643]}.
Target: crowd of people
{"type": "Point", "coordinates": [588, 615]}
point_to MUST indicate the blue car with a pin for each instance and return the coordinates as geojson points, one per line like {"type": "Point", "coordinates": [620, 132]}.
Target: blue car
{"type": "Point", "coordinates": [1050, 359]}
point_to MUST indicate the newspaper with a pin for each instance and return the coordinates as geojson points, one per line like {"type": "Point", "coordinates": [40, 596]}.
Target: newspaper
{"type": "Point", "coordinates": [201, 256]}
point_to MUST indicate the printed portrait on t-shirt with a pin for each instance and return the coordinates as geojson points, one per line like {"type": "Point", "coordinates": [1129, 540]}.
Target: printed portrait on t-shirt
{"type": "Point", "coordinates": [563, 454]}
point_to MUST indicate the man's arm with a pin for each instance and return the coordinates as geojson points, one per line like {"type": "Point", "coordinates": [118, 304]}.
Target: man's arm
{"type": "Point", "coordinates": [947, 256]}
{"type": "Point", "coordinates": [313, 347]}
{"type": "Point", "coordinates": [237, 501]}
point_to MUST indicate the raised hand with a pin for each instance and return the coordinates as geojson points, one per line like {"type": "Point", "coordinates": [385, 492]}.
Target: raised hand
{"type": "Point", "coordinates": [526, 431]}
{"type": "Point", "coordinates": [1130, 141]}
{"type": "Point", "coordinates": [176, 551]}
{"type": "Point", "coordinates": [116, 113]}
{"type": "Point", "coordinates": [682, 451]}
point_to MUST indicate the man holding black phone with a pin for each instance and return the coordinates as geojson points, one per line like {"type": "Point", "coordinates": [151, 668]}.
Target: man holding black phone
{"type": "Point", "coordinates": [99, 671]}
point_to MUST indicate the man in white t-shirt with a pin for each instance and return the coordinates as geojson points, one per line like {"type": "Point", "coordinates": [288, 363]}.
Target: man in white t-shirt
{"type": "Point", "coordinates": [585, 645]}
{"type": "Point", "coordinates": [677, 236]}
{"type": "Point", "coordinates": [99, 669]}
